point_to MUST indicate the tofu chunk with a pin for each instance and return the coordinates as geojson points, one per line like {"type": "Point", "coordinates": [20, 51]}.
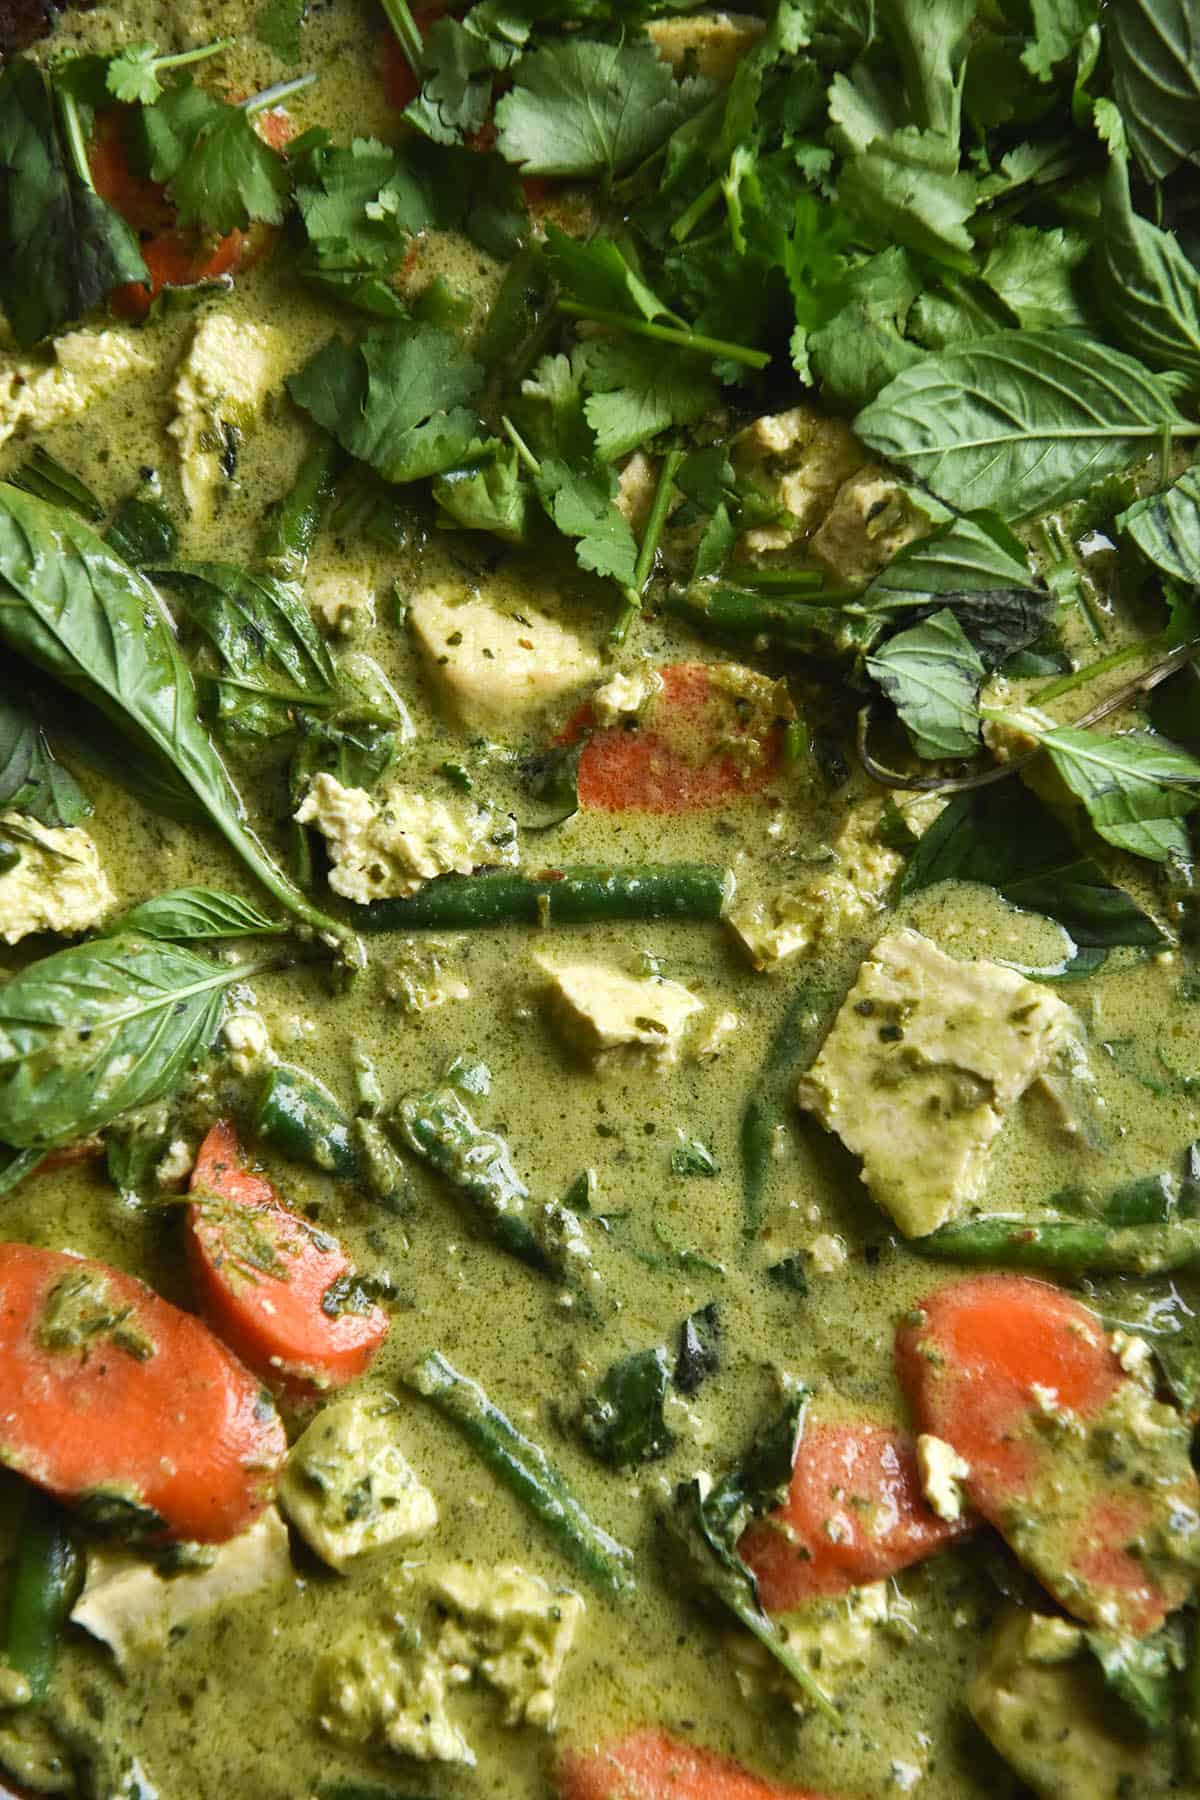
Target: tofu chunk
{"type": "Point", "coordinates": [493, 667]}
{"type": "Point", "coordinates": [230, 367]}
{"type": "Point", "coordinates": [924, 1062]}
{"type": "Point", "coordinates": [381, 1685]}
{"type": "Point", "coordinates": [870, 520]}
{"type": "Point", "coordinates": [707, 43]}
{"type": "Point", "coordinates": [799, 460]}
{"type": "Point", "coordinates": [600, 1010]}
{"type": "Point", "coordinates": [58, 884]}
{"type": "Point", "coordinates": [943, 1472]}
{"type": "Point", "coordinates": [513, 1630]}
{"type": "Point", "coordinates": [86, 365]}
{"type": "Point", "coordinates": [348, 1487]}
{"type": "Point", "coordinates": [133, 1609]}
{"type": "Point", "coordinates": [392, 842]}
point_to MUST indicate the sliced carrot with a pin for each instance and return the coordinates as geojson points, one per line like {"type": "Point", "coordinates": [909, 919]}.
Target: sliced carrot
{"type": "Point", "coordinates": [262, 1274]}
{"type": "Point", "coordinates": [116, 1401]}
{"type": "Point", "coordinates": [649, 1764]}
{"type": "Point", "coordinates": [855, 1513]}
{"type": "Point", "coordinates": [712, 734]}
{"type": "Point", "coordinates": [1087, 1476]}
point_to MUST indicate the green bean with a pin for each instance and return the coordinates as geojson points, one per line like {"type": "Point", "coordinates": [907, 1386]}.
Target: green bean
{"type": "Point", "coordinates": [799, 622]}
{"type": "Point", "coordinates": [291, 529]}
{"type": "Point", "coordinates": [575, 895]}
{"type": "Point", "coordinates": [44, 1584]}
{"type": "Point", "coordinates": [764, 1110]}
{"type": "Point", "coordinates": [299, 1116]}
{"type": "Point", "coordinates": [524, 1467]}
{"type": "Point", "coordinates": [1068, 1244]}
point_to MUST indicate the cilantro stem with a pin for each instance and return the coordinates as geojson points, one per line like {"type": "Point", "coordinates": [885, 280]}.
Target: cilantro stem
{"type": "Point", "coordinates": [528, 460]}
{"type": "Point", "coordinates": [73, 132]}
{"type": "Point", "coordinates": [408, 35]}
{"type": "Point", "coordinates": [655, 520]}
{"type": "Point", "coordinates": [1066, 684]}
{"type": "Point", "coordinates": [773, 578]}
{"type": "Point", "coordinates": [181, 58]}
{"type": "Point", "coordinates": [272, 96]}
{"type": "Point", "coordinates": [687, 221]}
{"type": "Point", "coordinates": [668, 334]}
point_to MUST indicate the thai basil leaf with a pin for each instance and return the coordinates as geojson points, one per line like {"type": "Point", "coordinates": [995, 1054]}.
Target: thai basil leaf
{"type": "Point", "coordinates": [931, 674]}
{"type": "Point", "coordinates": [1148, 288]}
{"type": "Point", "coordinates": [1154, 49]}
{"type": "Point", "coordinates": [188, 915]}
{"type": "Point", "coordinates": [259, 627]}
{"type": "Point", "coordinates": [1137, 787]}
{"type": "Point", "coordinates": [44, 476]}
{"type": "Point", "coordinates": [623, 1423]}
{"type": "Point", "coordinates": [142, 530]}
{"type": "Point", "coordinates": [699, 1353]}
{"type": "Point", "coordinates": [97, 626]}
{"type": "Point", "coordinates": [1021, 421]}
{"type": "Point", "coordinates": [550, 779]}
{"type": "Point", "coordinates": [1004, 838]}
{"type": "Point", "coordinates": [1166, 528]}
{"type": "Point", "coordinates": [102, 1027]}
{"type": "Point", "coordinates": [32, 781]}
{"type": "Point", "coordinates": [977, 568]}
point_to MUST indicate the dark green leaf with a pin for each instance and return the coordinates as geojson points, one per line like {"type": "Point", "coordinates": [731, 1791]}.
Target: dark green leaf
{"type": "Point", "coordinates": [550, 778]}
{"type": "Point", "coordinates": [62, 248]}
{"type": "Point", "coordinates": [398, 400]}
{"type": "Point", "coordinates": [638, 389]}
{"type": "Point", "coordinates": [142, 530]}
{"type": "Point", "coordinates": [1154, 49]}
{"type": "Point", "coordinates": [908, 189]}
{"type": "Point", "coordinates": [598, 276]}
{"type": "Point", "coordinates": [699, 1355]}
{"type": "Point", "coordinates": [789, 1274]}
{"type": "Point", "coordinates": [623, 1423]}
{"type": "Point", "coordinates": [582, 507]}
{"type": "Point", "coordinates": [1022, 421]}
{"type": "Point", "coordinates": [46, 478]}
{"type": "Point", "coordinates": [32, 781]}
{"type": "Point", "coordinates": [456, 90]}
{"type": "Point", "coordinates": [931, 674]}
{"type": "Point", "coordinates": [1166, 528]}
{"type": "Point", "coordinates": [1034, 273]}
{"type": "Point", "coordinates": [1004, 838]}
{"type": "Point", "coordinates": [1137, 787]}
{"type": "Point", "coordinates": [277, 25]}
{"type": "Point", "coordinates": [863, 346]}
{"type": "Point", "coordinates": [259, 627]}
{"type": "Point", "coordinates": [1139, 1672]}
{"type": "Point", "coordinates": [1148, 289]}
{"type": "Point", "coordinates": [360, 207]}
{"type": "Point", "coordinates": [492, 497]}
{"type": "Point", "coordinates": [189, 915]}
{"type": "Point", "coordinates": [691, 1157]}
{"type": "Point", "coordinates": [105, 1026]}
{"type": "Point", "coordinates": [218, 170]}
{"type": "Point", "coordinates": [977, 568]}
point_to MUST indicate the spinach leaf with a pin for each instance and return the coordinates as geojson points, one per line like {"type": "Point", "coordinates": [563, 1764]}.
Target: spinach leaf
{"type": "Point", "coordinates": [1154, 49]}
{"type": "Point", "coordinates": [261, 630]}
{"type": "Point", "coordinates": [1148, 288]}
{"type": "Point", "coordinates": [706, 1523]}
{"type": "Point", "coordinates": [1021, 421]}
{"type": "Point", "coordinates": [623, 1423]}
{"type": "Point", "coordinates": [1137, 787]}
{"type": "Point", "coordinates": [976, 567]}
{"type": "Point", "coordinates": [32, 780]}
{"type": "Point", "coordinates": [44, 476]}
{"type": "Point", "coordinates": [62, 248]}
{"type": "Point", "coordinates": [102, 1027]}
{"type": "Point", "coordinates": [1166, 528]}
{"type": "Point", "coordinates": [1005, 838]}
{"type": "Point", "coordinates": [583, 108]}
{"type": "Point", "coordinates": [699, 1353]}
{"type": "Point", "coordinates": [931, 674]}
{"type": "Point", "coordinates": [398, 400]}
{"type": "Point", "coordinates": [97, 626]}
{"type": "Point", "coordinates": [187, 915]}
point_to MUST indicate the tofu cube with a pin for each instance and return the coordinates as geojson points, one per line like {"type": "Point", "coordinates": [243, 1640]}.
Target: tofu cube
{"type": "Point", "coordinates": [600, 1010]}
{"type": "Point", "coordinates": [348, 1487]}
{"type": "Point", "coordinates": [493, 667]}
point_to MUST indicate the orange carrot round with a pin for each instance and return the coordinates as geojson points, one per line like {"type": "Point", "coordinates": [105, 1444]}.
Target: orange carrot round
{"type": "Point", "coordinates": [263, 1276]}
{"type": "Point", "coordinates": [1084, 1473]}
{"type": "Point", "coordinates": [118, 1402]}
{"type": "Point", "coordinates": [855, 1513]}
{"type": "Point", "coordinates": [649, 1764]}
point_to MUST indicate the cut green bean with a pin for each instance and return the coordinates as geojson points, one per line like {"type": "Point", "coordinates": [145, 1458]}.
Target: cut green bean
{"type": "Point", "coordinates": [45, 1581]}
{"type": "Point", "coordinates": [524, 1467]}
{"type": "Point", "coordinates": [298, 1116]}
{"type": "Point", "coordinates": [806, 621]}
{"type": "Point", "coordinates": [1067, 1244]}
{"type": "Point", "coordinates": [578, 895]}
{"type": "Point", "coordinates": [764, 1110]}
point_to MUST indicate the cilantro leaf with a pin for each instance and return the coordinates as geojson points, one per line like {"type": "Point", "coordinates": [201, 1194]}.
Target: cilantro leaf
{"type": "Point", "coordinates": [62, 248]}
{"type": "Point", "coordinates": [456, 93]}
{"type": "Point", "coordinates": [599, 277]}
{"type": "Point", "coordinates": [584, 108]}
{"type": "Point", "coordinates": [490, 497]}
{"type": "Point", "coordinates": [1058, 26]}
{"type": "Point", "coordinates": [475, 192]}
{"type": "Point", "coordinates": [398, 400]}
{"type": "Point", "coordinates": [581, 505]}
{"type": "Point", "coordinates": [928, 36]}
{"type": "Point", "coordinates": [863, 346]}
{"type": "Point", "coordinates": [277, 25]}
{"type": "Point", "coordinates": [133, 76]}
{"type": "Point", "coordinates": [637, 389]}
{"type": "Point", "coordinates": [217, 169]}
{"type": "Point", "coordinates": [1034, 273]}
{"type": "Point", "coordinates": [908, 189]}
{"type": "Point", "coordinates": [931, 674]}
{"type": "Point", "coordinates": [360, 208]}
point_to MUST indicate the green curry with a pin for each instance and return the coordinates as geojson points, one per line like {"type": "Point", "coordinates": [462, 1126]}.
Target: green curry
{"type": "Point", "coordinates": [623, 1166]}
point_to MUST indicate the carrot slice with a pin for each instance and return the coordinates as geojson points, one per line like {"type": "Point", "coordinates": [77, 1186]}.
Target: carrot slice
{"type": "Point", "coordinates": [1086, 1475]}
{"type": "Point", "coordinates": [116, 1401]}
{"type": "Point", "coordinates": [649, 1764]}
{"type": "Point", "coordinates": [855, 1512]}
{"type": "Point", "coordinates": [264, 1275]}
{"type": "Point", "coordinates": [709, 736]}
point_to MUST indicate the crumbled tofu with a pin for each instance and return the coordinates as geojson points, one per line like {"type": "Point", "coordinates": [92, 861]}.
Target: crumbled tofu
{"type": "Point", "coordinates": [828, 1253]}
{"type": "Point", "coordinates": [624, 696]}
{"type": "Point", "coordinates": [57, 885]}
{"type": "Point", "coordinates": [230, 367]}
{"type": "Point", "coordinates": [342, 599]}
{"type": "Point", "coordinates": [636, 486]}
{"type": "Point", "coordinates": [870, 520]}
{"type": "Point", "coordinates": [493, 667]}
{"type": "Point", "coordinates": [133, 1609]}
{"type": "Point", "coordinates": [943, 1472]}
{"type": "Point", "coordinates": [348, 1487]}
{"type": "Point", "coordinates": [394, 841]}
{"type": "Point", "coordinates": [86, 365]}
{"type": "Point", "coordinates": [381, 1685]}
{"type": "Point", "coordinates": [601, 1009]}
{"type": "Point", "coordinates": [175, 1165]}
{"type": "Point", "coordinates": [835, 1638]}
{"type": "Point", "coordinates": [513, 1629]}
{"type": "Point", "coordinates": [799, 460]}
{"type": "Point", "coordinates": [422, 979]}
{"type": "Point", "coordinates": [1135, 1356]}
{"type": "Point", "coordinates": [708, 43]}
{"type": "Point", "coordinates": [836, 896]}
{"type": "Point", "coordinates": [925, 1060]}
{"type": "Point", "coordinates": [248, 1043]}
{"type": "Point", "coordinates": [715, 1036]}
